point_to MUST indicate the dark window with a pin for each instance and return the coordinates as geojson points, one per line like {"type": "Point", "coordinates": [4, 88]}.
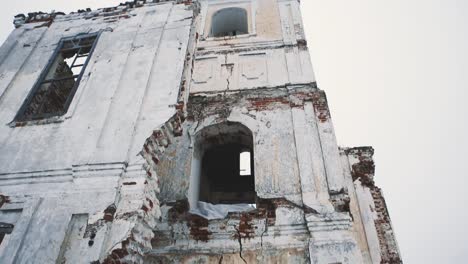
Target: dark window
{"type": "Point", "coordinates": [5, 229]}
{"type": "Point", "coordinates": [8, 219]}
{"type": "Point", "coordinates": [227, 174]}
{"type": "Point", "coordinates": [52, 94]}
{"type": "Point", "coordinates": [229, 22]}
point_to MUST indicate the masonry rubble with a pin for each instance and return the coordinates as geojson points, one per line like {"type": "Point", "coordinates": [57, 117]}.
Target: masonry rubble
{"type": "Point", "coordinates": [124, 174]}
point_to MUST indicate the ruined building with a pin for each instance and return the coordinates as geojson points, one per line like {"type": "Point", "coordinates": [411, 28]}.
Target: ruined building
{"type": "Point", "coordinates": [177, 132]}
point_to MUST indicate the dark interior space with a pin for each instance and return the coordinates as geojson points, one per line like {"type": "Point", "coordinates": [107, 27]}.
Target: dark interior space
{"type": "Point", "coordinates": [227, 164]}
{"type": "Point", "coordinates": [222, 182]}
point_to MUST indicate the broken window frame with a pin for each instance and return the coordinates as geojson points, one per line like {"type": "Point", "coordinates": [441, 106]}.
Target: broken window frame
{"type": "Point", "coordinates": [75, 40]}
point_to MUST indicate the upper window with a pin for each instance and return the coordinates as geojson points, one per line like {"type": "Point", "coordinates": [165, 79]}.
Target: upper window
{"type": "Point", "coordinates": [52, 94]}
{"type": "Point", "coordinates": [231, 21]}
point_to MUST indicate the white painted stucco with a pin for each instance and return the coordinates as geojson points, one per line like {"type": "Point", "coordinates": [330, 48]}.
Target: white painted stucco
{"type": "Point", "coordinates": [114, 178]}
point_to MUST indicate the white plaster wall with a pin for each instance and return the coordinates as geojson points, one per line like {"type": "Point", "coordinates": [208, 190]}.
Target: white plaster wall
{"type": "Point", "coordinates": [364, 203]}
{"type": "Point", "coordinates": [251, 69]}
{"type": "Point", "coordinates": [74, 164]}
{"type": "Point", "coordinates": [134, 71]}
{"type": "Point", "coordinates": [273, 54]}
{"type": "Point", "coordinates": [275, 156]}
{"type": "Point", "coordinates": [357, 212]}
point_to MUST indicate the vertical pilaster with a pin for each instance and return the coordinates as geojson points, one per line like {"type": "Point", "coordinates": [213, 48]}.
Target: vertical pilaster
{"type": "Point", "coordinates": [311, 166]}
{"type": "Point", "coordinates": [328, 144]}
{"type": "Point", "coordinates": [331, 240]}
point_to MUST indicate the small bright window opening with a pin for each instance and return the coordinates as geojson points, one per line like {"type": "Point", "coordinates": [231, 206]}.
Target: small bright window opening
{"type": "Point", "coordinates": [8, 219]}
{"type": "Point", "coordinates": [231, 21]}
{"type": "Point", "coordinates": [245, 164]}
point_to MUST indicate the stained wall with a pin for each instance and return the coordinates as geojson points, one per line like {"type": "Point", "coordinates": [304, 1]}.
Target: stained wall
{"type": "Point", "coordinates": [64, 174]}
{"type": "Point", "coordinates": [115, 178]}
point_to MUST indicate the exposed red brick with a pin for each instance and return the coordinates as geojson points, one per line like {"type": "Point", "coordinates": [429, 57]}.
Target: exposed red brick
{"type": "Point", "coordinates": [320, 103]}
{"type": "Point", "coordinates": [118, 255]}
{"type": "Point", "coordinates": [245, 228]}
{"type": "Point", "coordinates": [364, 171]}
{"type": "Point", "coordinates": [181, 105]}
{"type": "Point", "coordinates": [157, 134]}
{"type": "Point", "coordinates": [178, 211]}
{"type": "Point", "coordinates": [198, 228]}
{"type": "Point", "coordinates": [260, 103]}
{"type": "Point", "coordinates": [109, 213]}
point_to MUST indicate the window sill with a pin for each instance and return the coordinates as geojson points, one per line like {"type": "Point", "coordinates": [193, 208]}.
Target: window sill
{"type": "Point", "coordinates": [243, 36]}
{"type": "Point", "coordinates": [45, 121]}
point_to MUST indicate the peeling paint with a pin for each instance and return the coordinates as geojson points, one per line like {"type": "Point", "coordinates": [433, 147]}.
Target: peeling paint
{"type": "Point", "coordinates": [132, 180]}
{"type": "Point", "coordinates": [109, 213]}
{"type": "Point", "coordinates": [198, 228]}
{"type": "Point", "coordinates": [362, 171]}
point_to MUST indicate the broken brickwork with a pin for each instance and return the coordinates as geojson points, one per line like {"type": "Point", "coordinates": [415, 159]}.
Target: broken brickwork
{"type": "Point", "coordinates": [118, 176]}
{"type": "Point", "coordinates": [363, 171]}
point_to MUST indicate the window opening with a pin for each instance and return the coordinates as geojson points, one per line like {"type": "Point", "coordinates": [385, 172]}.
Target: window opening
{"type": "Point", "coordinates": [231, 21]}
{"type": "Point", "coordinates": [226, 173]}
{"type": "Point", "coordinates": [52, 94]}
{"type": "Point", "coordinates": [222, 179]}
{"type": "Point", "coordinates": [8, 219]}
{"type": "Point", "coordinates": [244, 163]}
{"type": "Point", "coordinates": [74, 236]}
{"type": "Point", "coordinates": [5, 228]}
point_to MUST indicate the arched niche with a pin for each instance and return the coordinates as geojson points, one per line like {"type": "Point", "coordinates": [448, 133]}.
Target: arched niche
{"type": "Point", "coordinates": [231, 21]}
{"type": "Point", "coordinates": [221, 173]}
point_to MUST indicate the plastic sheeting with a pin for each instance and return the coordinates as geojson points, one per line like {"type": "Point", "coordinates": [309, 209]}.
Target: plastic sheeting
{"type": "Point", "coordinates": [219, 211]}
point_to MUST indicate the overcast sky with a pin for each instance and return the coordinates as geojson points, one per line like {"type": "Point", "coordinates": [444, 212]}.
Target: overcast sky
{"type": "Point", "coordinates": [396, 75]}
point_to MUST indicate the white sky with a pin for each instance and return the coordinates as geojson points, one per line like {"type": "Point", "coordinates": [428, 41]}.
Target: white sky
{"type": "Point", "coordinates": [394, 73]}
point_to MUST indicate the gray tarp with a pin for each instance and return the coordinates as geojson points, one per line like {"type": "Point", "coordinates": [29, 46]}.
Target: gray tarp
{"type": "Point", "coordinates": [219, 211]}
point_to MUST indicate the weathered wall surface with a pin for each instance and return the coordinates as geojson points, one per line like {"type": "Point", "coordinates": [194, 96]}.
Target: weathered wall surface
{"type": "Point", "coordinates": [286, 218]}
{"type": "Point", "coordinates": [129, 70]}
{"type": "Point", "coordinates": [273, 53]}
{"type": "Point", "coordinates": [67, 175]}
{"type": "Point", "coordinates": [114, 179]}
{"type": "Point", "coordinates": [372, 217]}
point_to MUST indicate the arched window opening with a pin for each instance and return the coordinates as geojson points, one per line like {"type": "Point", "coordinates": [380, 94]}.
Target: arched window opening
{"type": "Point", "coordinates": [230, 21]}
{"type": "Point", "coordinates": [226, 172]}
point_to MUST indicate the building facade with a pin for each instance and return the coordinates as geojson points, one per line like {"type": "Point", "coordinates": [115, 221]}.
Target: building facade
{"type": "Point", "coordinates": [177, 132]}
